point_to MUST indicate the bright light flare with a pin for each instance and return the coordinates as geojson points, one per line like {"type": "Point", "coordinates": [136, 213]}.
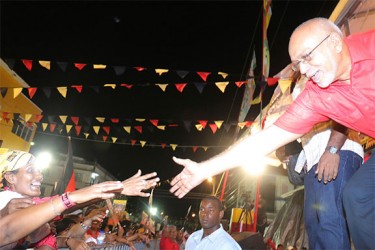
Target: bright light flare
{"type": "Point", "coordinates": [256, 166]}
{"type": "Point", "coordinates": [193, 215]}
{"type": "Point", "coordinates": [153, 210]}
{"type": "Point", "coordinates": [209, 179]}
{"type": "Point", "coordinates": [43, 160]}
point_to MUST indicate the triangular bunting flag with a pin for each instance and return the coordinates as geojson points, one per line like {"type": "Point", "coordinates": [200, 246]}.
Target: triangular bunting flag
{"type": "Point", "coordinates": [79, 66]}
{"type": "Point", "coordinates": [38, 118]}
{"type": "Point", "coordinates": [45, 64]}
{"type": "Point", "coordinates": [105, 138]}
{"type": "Point", "coordinates": [114, 139]}
{"type": "Point", "coordinates": [257, 99]}
{"type": "Point", "coordinates": [115, 120]}
{"type": "Point", "coordinates": [68, 128]}
{"type": "Point", "coordinates": [154, 122]}
{"type": "Point", "coordinates": [16, 92]}
{"type": "Point", "coordinates": [139, 68]}
{"type": "Point", "coordinates": [162, 86]}
{"type": "Point", "coordinates": [106, 129]}
{"type": "Point", "coordinates": [161, 127]}
{"type": "Point", "coordinates": [52, 127]}
{"type": "Point", "coordinates": [213, 128]}
{"type": "Point", "coordinates": [161, 71]}
{"type": "Point", "coordinates": [195, 149]}
{"type": "Point", "coordinates": [205, 148]}
{"type": "Point", "coordinates": [3, 92]}
{"type": "Point", "coordinates": [272, 81]}
{"type": "Point", "coordinates": [5, 115]}
{"type": "Point", "coordinates": [204, 75]}
{"type": "Point", "coordinates": [111, 85]}
{"type": "Point", "coordinates": [163, 145]}
{"type": "Point", "coordinates": [32, 92]}
{"type": "Point", "coordinates": [180, 86]}
{"type": "Point", "coordinates": [133, 142]}
{"type": "Point", "coordinates": [224, 75]}
{"type": "Point", "coordinates": [100, 119]}
{"type": "Point", "coordinates": [240, 83]}
{"type": "Point", "coordinates": [142, 143]}
{"type": "Point", "coordinates": [96, 129]}
{"type": "Point", "coordinates": [284, 84]}
{"type": "Point", "coordinates": [62, 65]}
{"type": "Point", "coordinates": [127, 129]}
{"type": "Point", "coordinates": [63, 118]}
{"type": "Point", "coordinates": [86, 135]}
{"type": "Point", "coordinates": [77, 87]}
{"type": "Point", "coordinates": [28, 64]}
{"type": "Point", "coordinates": [62, 91]}
{"type": "Point", "coordinates": [27, 117]}
{"type": "Point", "coordinates": [129, 86]}
{"type": "Point", "coordinates": [75, 119]}
{"type": "Point", "coordinates": [221, 85]}
{"type": "Point", "coordinates": [44, 126]}
{"type": "Point", "coordinates": [119, 70]}
{"type": "Point", "coordinates": [99, 66]}
{"type": "Point", "coordinates": [140, 119]}
{"type": "Point", "coordinates": [242, 124]}
{"type": "Point", "coordinates": [173, 146]}
{"type": "Point", "coordinates": [78, 129]}
{"type": "Point", "coordinates": [199, 127]}
{"type": "Point", "coordinates": [182, 73]}
{"type": "Point", "coordinates": [219, 123]}
{"type": "Point", "coordinates": [138, 128]}
{"type": "Point", "coordinates": [47, 92]}
{"type": "Point", "coordinates": [200, 86]}
{"type": "Point", "coordinates": [203, 123]}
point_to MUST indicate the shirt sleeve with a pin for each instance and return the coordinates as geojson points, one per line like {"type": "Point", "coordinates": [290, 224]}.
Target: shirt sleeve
{"type": "Point", "coordinates": [303, 113]}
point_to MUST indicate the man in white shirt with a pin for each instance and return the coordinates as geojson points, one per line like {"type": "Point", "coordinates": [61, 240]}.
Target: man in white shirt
{"type": "Point", "coordinates": [212, 235]}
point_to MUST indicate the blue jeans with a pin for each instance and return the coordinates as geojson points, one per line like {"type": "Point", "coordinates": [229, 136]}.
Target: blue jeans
{"type": "Point", "coordinates": [324, 214]}
{"type": "Point", "coordinates": [359, 203]}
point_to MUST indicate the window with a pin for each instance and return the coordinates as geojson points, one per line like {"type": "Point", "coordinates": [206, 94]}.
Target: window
{"type": "Point", "coordinates": [19, 128]}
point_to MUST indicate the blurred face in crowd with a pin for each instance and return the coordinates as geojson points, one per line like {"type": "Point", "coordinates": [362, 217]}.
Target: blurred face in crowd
{"type": "Point", "coordinates": [26, 180]}
{"type": "Point", "coordinates": [210, 215]}
{"type": "Point", "coordinates": [173, 232]}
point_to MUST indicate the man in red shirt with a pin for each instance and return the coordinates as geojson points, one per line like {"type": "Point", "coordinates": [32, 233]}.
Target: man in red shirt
{"type": "Point", "coordinates": [168, 239]}
{"type": "Point", "coordinates": [341, 88]}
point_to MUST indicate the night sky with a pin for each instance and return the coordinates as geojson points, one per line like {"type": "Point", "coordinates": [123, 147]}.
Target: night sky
{"type": "Point", "coordinates": [179, 36]}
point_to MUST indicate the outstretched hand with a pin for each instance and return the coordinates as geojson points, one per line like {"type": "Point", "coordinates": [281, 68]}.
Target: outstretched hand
{"type": "Point", "coordinates": [328, 167]}
{"type": "Point", "coordinates": [104, 190]}
{"type": "Point", "coordinates": [137, 183]}
{"type": "Point", "coordinates": [190, 177]}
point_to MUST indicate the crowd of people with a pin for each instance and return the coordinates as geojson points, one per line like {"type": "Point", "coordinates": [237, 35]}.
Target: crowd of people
{"type": "Point", "coordinates": [340, 87]}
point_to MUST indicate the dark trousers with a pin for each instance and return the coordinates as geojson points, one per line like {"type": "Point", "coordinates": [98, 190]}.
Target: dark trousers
{"type": "Point", "coordinates": [359, 204]}
{"type": "Point", "coordinates": [324, 213]}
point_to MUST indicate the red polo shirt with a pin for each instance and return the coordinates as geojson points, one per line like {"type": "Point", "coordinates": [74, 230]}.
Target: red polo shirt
{"type": "Point", "coordinates": [352, 105]}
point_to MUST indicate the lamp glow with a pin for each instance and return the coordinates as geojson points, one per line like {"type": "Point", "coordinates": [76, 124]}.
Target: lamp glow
{"type": "Point", "coordinates": [43, 160]}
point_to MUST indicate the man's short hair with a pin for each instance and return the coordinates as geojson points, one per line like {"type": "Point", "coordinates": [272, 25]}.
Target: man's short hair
{"type": "Point", "coordinates": [218, 202]}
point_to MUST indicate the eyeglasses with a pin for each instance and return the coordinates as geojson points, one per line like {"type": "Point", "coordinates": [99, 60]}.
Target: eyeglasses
{"type": "Point", "coordinates": [307, 57]}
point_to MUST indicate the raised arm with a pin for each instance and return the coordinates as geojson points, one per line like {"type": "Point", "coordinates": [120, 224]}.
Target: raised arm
{"type": "Point", "coordinates": [245, 152]}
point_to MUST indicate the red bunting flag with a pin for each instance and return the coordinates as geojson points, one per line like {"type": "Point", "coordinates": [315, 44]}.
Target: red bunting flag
{"type": "Point", "coordinates": [272, 81]}
{"type": "Point", "coordinates": [240, 83]}
{"type": "Point", "coordinates": [133, 142]}
{"type": "Point", "coordinates": [115, 120]}
{"type": "Point", "coordinates": [75, 119]}
{"type": "Point", "coordinates": [78, 129]}
{"type": "Point", "coordinates": [154, 122]}
{"type": "Point", "coordinates": [7, 120]}
{"type": "Point", "coordinates": [129, 86]}
{"type": "Point", "coordinates": [180, 86]}
{"type": "Point", "coordinates": [140, 68]}
{"type": "Point", "coordinates": [106, 129]}
{"type": "Point", "coordinates": [195, 149]}
{"type": "Point", "coordinates": [138, 128]}
{"type": "Point", "coordinates": [213, 127]}
{"type": "Point", "coordinates": [203, 123]}
{"type": "Point", "coordinates": [5, 115]}
{"type": "Point", "coordinates": [32, 92]}
{"type": "Point", "coordinates": [29, 124]}
{"type": "Point", "coordinates": [78, 88]}
{"type": "Point", "coordinates": [105, 138]}
{"type": "Point", "coordinates": [52, 127]}
{"type": "Point", "coordinates": [163, 145]}
{"type": "Point", "coordinates": [28, 64]}
{"type": "Point", "coordinates": [204, 75]}
{"type": "Point", "coordinates": [38, 118]}
{"type": "Point", "coordinates": [79, 66]}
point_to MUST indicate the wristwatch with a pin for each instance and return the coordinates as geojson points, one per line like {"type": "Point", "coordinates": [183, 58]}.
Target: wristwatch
{"type": "Point", "coordinates": [332, 149]}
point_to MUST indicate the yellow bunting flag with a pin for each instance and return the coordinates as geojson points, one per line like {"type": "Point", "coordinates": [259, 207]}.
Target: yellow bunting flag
{"type": "Point", "coordinates": [173, 146]}
{"type": "Point", "coordinates": [68, 128]}
{"type": "Point", "coordinates": [111, 85]}
{"type": "Point", "coordinates": [99, 66]}
{"type": "Point", "coordinates": [242, 124]}
{"type": "Point", "coordinates": [16, 92]}
{"type": "Point", "coordinates": [86, 135]}
{"type": "Point", "coordinates": [114, 139]}
{"type": "Point", "coordinates": [224, 75]}
{"type": "Point", "coordinates": [96, 129]}
{"type": "Point", "coordinates": [127, 129]}
{"type": "Point", "coordinates": [161, 71]}
{"type": "Point", "coordinates": [63, 118]}
{"type": "Point", "coordinates": [142, 143]}
{"type": "Point", "coordinates": [205, 148]}
{"type": "Point", "coordinates": [140, 119]}
{"type": "Point", "coordinates": [45, 64]}
{"type": "Point", "coordinates": [219, 123]}
{"type": "Point", "coordinates": [161, 127]}
{"type": "Point", "coordinates": [284, 84]}
{"type": "Point", "coordinates": [222, 85]}
{"type": "Point", "coordinates": [100, 119]}
{"type": "Point", "coordinates": [257, 100]}
{"type": "Point", "coordinates": [27, 117]}
{"type": "Point", "coordinates": [162, 86]}
{"type": "Point", "coordinates": [62, 91]}
{"type": "Point", "coordinates": [44, 126]}
{"type": "Point", "coordinates": [199, 127]}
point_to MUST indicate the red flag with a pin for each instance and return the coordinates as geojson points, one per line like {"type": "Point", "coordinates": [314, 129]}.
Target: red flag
{"type": "Point", "coordinates": [68, 181]}
{"type": "Point", "coordinates": [28, 64]}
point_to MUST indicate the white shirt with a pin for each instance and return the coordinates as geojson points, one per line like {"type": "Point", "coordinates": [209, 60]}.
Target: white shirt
{"type": "Point", "coordinates": [217, 240]}
{"type": "Point", "coordinates": [6, 196]}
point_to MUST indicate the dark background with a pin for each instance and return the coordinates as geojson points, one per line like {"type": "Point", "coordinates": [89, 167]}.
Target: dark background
{"type": "Point", "coordinates": [208, 36]}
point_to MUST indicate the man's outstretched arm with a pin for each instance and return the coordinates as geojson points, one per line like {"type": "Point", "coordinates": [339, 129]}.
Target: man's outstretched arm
{"type": "Point", "coordinates": [245, 152]}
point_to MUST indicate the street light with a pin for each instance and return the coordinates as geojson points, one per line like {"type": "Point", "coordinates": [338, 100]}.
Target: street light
{"type": "Point", "coordinates": [153, 210]}
{"type": "Point", "coordinates": [43, 160]}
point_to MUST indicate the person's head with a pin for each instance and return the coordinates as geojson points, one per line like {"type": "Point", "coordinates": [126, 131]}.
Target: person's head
{"type": "Point", "coordinates": [172, 230]}
{"type": "Point", "coordinates": [211, 212]}
{"type": "Point", "coordinates": [20, 173]}
{"type": "Point", "coordinates": [280, 247]}
{"type": "Point", "coordinates": [316, 50]}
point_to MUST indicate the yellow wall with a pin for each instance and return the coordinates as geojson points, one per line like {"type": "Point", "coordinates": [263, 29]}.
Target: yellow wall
{"type": "Point", "coordinates": [21, 105]}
